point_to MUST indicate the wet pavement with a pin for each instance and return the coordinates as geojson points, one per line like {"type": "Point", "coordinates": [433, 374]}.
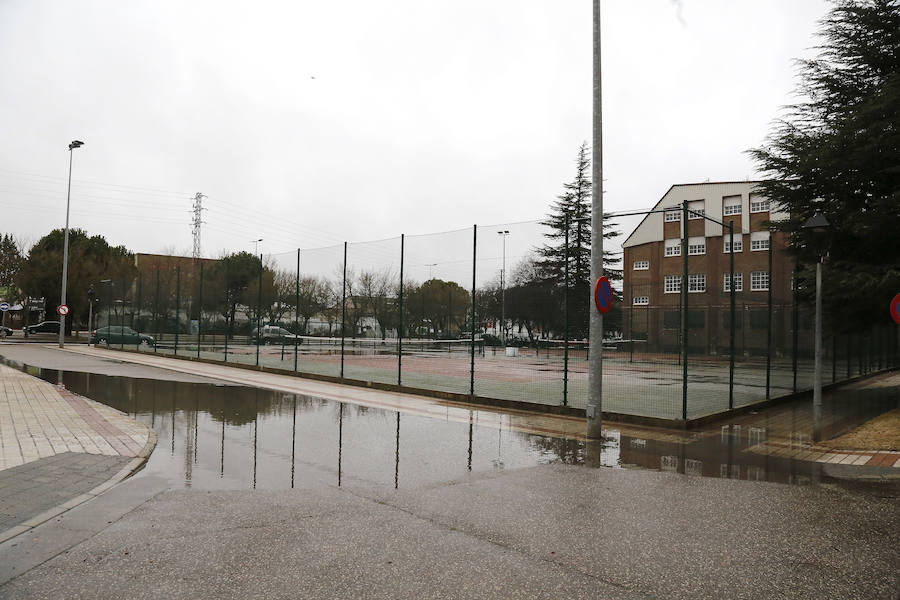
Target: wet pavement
{"type": "Point", "coordinates": [440, 500]}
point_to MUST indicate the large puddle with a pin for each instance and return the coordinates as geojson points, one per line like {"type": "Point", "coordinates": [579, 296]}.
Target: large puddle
{"type": "Point", "coordinates": [231, 437]}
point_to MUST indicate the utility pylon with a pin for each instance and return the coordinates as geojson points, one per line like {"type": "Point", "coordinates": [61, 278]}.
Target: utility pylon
{"type": "Point", "coordinates": [196, 222]}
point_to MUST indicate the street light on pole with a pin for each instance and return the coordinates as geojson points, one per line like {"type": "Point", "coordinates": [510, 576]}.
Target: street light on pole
{"type": "Point", "coordinates": [62, 295]}
{"type": "Point", "coordinates": [503, 233]}
{"type": "Point", "coordinates": [256, 246]}
{"type": "Point", "coordinates": [816, 226]}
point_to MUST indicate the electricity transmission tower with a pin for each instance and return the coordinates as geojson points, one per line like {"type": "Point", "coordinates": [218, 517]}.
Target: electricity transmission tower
{"type": "Point", "coordinates": [196, 222]}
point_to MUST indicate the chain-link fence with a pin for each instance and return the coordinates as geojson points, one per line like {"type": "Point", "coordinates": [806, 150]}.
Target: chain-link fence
{"type": "Point", "coordinates": [500, 312]}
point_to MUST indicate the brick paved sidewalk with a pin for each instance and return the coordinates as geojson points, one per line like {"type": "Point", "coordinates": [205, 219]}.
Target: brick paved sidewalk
{"type": "Point", "coordinates": [58, 449]}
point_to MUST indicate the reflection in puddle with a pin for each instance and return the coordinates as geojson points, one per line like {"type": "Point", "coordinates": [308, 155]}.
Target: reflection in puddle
{"type": "Point", "coordinates": [230, 437]}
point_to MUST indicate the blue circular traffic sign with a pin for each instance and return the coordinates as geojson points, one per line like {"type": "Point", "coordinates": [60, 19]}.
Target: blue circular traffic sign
{"type": "Point", "coordinates": [4, 306]}
{"type": "Point", "coordinates": [603, 295]}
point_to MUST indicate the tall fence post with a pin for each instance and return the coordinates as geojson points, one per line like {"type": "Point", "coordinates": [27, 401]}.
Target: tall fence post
{"type": "Point", "coordinates": [343, 309]}
{"type": "Point", "coordinates": [259, 308]}
{"type": "Point", "coordinates": [200, 310]}
{"type": "Point", "coordinates": [472, 349]}
{"type": "Point", "coordinates": [769, 326]}
{"type": "Point", "coordinates": [731, 287]}
{"type": "Point", "coordinates": [565, 399]}
{"type": "Point", "coordinates": [795, 319]}
{"type": "Point", "coordinates": [156, 312]}
{"type": "Point", "coordinates": [684, 310]}
{"type": "Point", "coordinates": [297, 315]}
{"type": "Point", "coordinates": [400, 321]}
{"type": "Point", "coordinates": [139, 301]}
{"type": "Point", "coordinates": [177, 304]}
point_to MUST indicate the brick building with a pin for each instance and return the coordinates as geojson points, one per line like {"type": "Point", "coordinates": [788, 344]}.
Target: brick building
{"type": "Point", "coordinates": [653, 268]}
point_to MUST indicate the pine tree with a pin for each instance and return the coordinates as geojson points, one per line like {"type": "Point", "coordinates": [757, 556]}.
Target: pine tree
{"type": "Point", "coordinates": [839, 152]}
{"type": "Point", "coordinates": [574, 206]}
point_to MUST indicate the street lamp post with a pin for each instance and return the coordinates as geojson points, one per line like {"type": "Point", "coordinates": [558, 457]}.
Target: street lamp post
{"type": "Point", "coordinates": [62, 296]}
{"type": "Point", "coordinates": [256, 246]}
{"type": "Point", "coordinates": [816, 226]}
{"type": "Point", "coordinates": [504, 233]}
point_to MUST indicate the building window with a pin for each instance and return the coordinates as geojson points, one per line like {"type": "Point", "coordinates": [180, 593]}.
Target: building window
{"type": "Point", "coordinates": [697, 245]}
{"type": "Point", "coordinates": [738, 282]}
{"type": "Point", "coordinates": [696, 210]}
{"type": "Point", "coordinates": [641, 300]}
{"type": "Point", "coordinates": [672, 284]}
{"type": "Point", "coordinates": [697, 282]}
{"type": "Point", "coordinates": [641, 265]}
{"type": "Point", "coordinates": [759, 281]}
{"type": "Point", "coordinates": [731, 205]}
{"type": "Point", "coordinates": [758, 205]}
{"type": "Point", "coordinates": [738, 243]}
{"type": "Point", "coordinates": [673, 247]}
{"type": "Point", "coordinates": [759, 240]}
{"type": "Point", "coordinates": [673, 216]}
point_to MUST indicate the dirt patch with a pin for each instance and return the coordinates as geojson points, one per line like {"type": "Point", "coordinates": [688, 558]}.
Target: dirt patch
{"type": "Point", "coordinates": [881, 433]}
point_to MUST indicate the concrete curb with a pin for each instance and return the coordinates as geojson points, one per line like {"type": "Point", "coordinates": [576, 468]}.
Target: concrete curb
{"type": "Point", "coordinates": [132, 467]}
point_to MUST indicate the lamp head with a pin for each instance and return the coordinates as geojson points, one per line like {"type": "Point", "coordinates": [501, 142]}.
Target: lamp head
{"type": "Point", "coordinates": [76, 144]}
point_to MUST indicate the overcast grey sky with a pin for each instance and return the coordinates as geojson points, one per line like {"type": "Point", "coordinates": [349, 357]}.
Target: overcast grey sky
{"type": "Point", "coordinates": [310, 123]}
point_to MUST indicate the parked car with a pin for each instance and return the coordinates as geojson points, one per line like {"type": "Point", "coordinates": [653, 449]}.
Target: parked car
{"type": "Point", "coordinates": [119, 334]}
{"type": "Point", "coordinates": [43, 327]}
{"type": "Point", "coordinates": [272, 334]}
{"type": "Point", "coordinates": [5, 331]}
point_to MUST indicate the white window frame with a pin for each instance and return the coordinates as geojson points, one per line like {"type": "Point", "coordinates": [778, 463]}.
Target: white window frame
{"type": "Point", "coordinates": [738, 243]}
{"type": "Point", "coordinates": [641, 301]}
{"type": "Point", "coordinates": [759, 241]}
{"type": "Point", "coordinates": [672, 284]}
{"type": "Point", "coordinates": [696, 210]}
{"type": "Point", "coordinates": [673, 249]}
{"type": "Point", "coordinates": [738, 281]}
{"type": "Point", "coordinates": [759, 206]}
{"type": "Point", "coordinates": [759, 281]}
{"type": "Point", "coordinates": [696, 283]}
{"type": "Point", "coordinates": [696, 245]}
{"type": "Point", "coordinates": [672, 216]}
{"type": "Point", "coordinates": [732, 202]}
{"type": "Point", "coordinates": [642, 265]}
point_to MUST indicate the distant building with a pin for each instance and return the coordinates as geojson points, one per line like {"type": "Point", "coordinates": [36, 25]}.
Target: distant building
{"type": "Point", "coordinates": [653, 267]}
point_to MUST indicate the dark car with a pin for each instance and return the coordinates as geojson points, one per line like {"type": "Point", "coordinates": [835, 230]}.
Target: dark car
{"type": "Point", "coordinates": [272, 334]}
{"type": "Point", "coordinates": [43, 327]}
{"type": "Point", "coordinates": [5, 331]}
{"type": "Point", "coordinates": [119, 334]}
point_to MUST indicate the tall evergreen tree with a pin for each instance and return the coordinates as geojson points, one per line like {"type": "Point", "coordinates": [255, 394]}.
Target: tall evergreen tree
{"type": "Point", "coordinates": [838, 151]}
{"type": "Point", "coordinates": [574, 206]}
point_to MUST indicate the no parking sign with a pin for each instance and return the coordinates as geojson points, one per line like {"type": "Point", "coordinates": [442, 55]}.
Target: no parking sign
{"type": "Point", "coordinates": [895, 309]}
{"type": "Point", "coordinates": [603, 295]}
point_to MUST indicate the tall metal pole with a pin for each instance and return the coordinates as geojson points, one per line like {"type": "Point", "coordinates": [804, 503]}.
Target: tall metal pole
{"type": "Point", "coordinates": [731, 287]}
{"type": "Point", "coordinates": [472, 349]}
{"type": "Point", "coordinates": [258, 307]}
{"type": "Point", "coordinates": [200, 311]}
{"type": "Point", "coordinates": [156, 311]}
{"type": "Point", "coordinates": [595, 349]}
{"type": "Point", "coordinates": [343, 309]}
{"type": "Point", "coordinates": [65, 270]}
{"type": "Point", "coordinates": [817, 383]}
{"type": "Point", "coordinates": [297, 313]}
{"type": "Point", "coordinates": [769, 327]}
{"type": "Point", "coordinates": [684, 310]}
{"type": "Point", "coordinates": [503, 295]}
{"type": "Point", "coordinates": [566, 317]}
{"type": "Point", "coordinates": [177, 305]}
{"type": "Point", "coordinates": [400, 320]}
